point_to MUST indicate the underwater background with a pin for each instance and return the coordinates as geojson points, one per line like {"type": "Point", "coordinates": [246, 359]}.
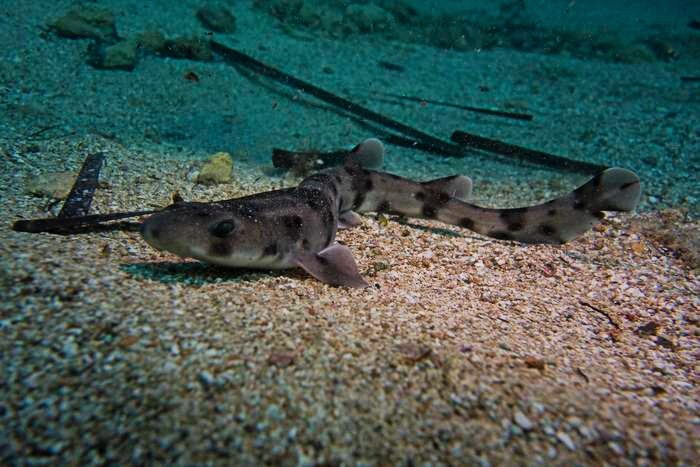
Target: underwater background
{"type": "Point", "coordinates": [484, 354]}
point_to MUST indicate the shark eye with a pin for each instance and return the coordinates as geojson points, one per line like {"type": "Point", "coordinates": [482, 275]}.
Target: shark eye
{"type": "Point", "coordinates": [222, 229]}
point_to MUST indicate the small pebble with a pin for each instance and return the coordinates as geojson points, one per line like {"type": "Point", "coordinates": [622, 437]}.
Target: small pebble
{"type": "Point", "coordinates": [616, 448]}
{"type": "Point", "coordinates": [522, 421]}
{"type": "Point", "coordinates": [274, 412]}
{"type": "Point", "coordinates": [566, 440]}
{"type": "Point", "coordinates": [207, 379]}
{"type": "Point", "coordinates": [70, 349]}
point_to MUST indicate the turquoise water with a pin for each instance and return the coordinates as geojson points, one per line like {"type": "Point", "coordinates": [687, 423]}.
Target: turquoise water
{"type": "Point", "coordinates": [605, 84]}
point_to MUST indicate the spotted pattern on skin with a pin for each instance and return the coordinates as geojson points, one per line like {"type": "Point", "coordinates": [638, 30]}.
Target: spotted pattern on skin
{"type": "Point", "coordinates": [514, 218]}
{"type": "Point", "coordinates": [318, 202]}
{"type": "Point", "coordinates": [434, 201]}
{"type": "Point", "coordinates": [547, 230]}
{"type": "Point", "coordinates": [359, 199]}
{"type": "Point", "coordinates": [500, 235]}
{"type": "Point", "coordinates": [467, 223]}
{"type": "Point", "coordinates": [293, 225]}
{"type": "Point", "coordinates": [384, 206]}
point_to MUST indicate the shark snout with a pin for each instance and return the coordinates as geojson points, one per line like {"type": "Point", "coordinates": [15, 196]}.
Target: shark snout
{"type": "Point", "coordinates": [151, 230]}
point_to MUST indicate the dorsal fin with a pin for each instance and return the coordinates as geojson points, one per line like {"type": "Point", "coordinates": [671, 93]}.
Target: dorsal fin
{"type": "Point", "coordinates": [368, 154]}
{"type": "Point", "coordinates": [455, 186]}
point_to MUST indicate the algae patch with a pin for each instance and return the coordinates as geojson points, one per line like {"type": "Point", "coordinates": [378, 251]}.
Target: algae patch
{"type": "Point", "coordinates": [216, 170]}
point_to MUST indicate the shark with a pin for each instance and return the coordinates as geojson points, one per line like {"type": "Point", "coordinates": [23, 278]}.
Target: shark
{"type": "Point", "coordinates": [297, 227]}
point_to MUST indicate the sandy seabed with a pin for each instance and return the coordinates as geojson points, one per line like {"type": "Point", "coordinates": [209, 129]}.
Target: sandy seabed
{"type": "Point", "coordinates": [464, 350]}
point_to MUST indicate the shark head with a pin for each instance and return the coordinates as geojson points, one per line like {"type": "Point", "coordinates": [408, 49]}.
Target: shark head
{"type": "Point", "coordinates": [211, 233]}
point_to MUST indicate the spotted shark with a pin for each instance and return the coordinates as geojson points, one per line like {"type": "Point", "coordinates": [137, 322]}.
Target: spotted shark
{"type": "Point", "coordinates": [296, 227]}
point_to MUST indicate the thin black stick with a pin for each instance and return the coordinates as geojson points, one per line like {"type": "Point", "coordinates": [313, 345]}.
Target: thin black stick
{"type": "Point", "coordinates": [80, 197]}
{"type": "Point", "coordinates": [496, 113]}
{"type": "Point", "coordinates": [239, 58]}
{"type": "Point", "coordinates": [42, 130]}
{"type": "Point", "coordinates": [67, 225]}
{"type": "Point", "coordinates": [525, 154]}
{"type": "Point", "coordinates": [690, 79]}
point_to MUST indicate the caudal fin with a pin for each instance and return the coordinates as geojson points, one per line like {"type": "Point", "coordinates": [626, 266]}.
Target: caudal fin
{"type": "Point", "coordinates": [613, 189]}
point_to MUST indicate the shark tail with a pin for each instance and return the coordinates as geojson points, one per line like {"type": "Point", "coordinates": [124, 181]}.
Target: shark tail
{"type": "Point", "coordinates": [556, 221]}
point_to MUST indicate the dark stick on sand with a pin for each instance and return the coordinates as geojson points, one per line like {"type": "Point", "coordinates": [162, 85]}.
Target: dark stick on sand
{"type": "Point", "coordinates": [524, 154]}
{"type": "Point", "coordinates": [78, 224]}
{"type": "Point", "coordinates": [481, 110]}
{"type": "Point", "coordinates": [690, 79]}
{"type": "Point", "coordinates": [239, 58]}
{"type": "Point", "coordinates": [80, 197]}
{"type": "Point", "coordinates": [74, 217]}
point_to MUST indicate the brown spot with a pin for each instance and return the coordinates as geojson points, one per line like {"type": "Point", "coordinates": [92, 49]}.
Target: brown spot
{"type": "Point", "coordinates": [548, 230]}
{"type": "Point", "coordinates": [270, 250]}
{"type": "Point", "coordinates": [293, 224]}
{"type": "Point", "coordinates": [384, 206]}
{"type": "Point", "coordinates": [281, 359]}
{"type": "Point", "coordinates": [429, 212]}
{"type": "Point", "coordinates": [514, 218]}
{"type": "Point", "coordinates": [413, 352]}
{"type": "Point", "coordinates": [466, 223]}
{"type": "Point", "coordinates": [500, 235]}
{"type": "Point", "coordinates": [665, 342]}
{"type": "Point", "coordinates": [649, 329]}
{"type": "Point", "coordinates": [534, 362]}
{"type": "Point", "coordinates": [359, 199]}
{"type": "Point", "coordinates": [128, 341]}
{"type": "Point", "coordinates": [192, 76]}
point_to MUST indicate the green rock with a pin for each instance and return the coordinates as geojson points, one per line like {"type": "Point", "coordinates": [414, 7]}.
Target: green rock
{"type": "Point", "coordinates": [152, 40]}
{"type": "Point", "coordinates": [120, 56]}
{"type": "Point", "coordinates": [86, 21]}
{"type": "Point", "coordinates": [216, 170]}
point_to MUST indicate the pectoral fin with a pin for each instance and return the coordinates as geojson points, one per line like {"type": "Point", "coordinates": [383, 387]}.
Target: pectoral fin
{"type": "Point", "coordinates": [349, 219]}
{"type": "Point", "coordinates": [334, 265]}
